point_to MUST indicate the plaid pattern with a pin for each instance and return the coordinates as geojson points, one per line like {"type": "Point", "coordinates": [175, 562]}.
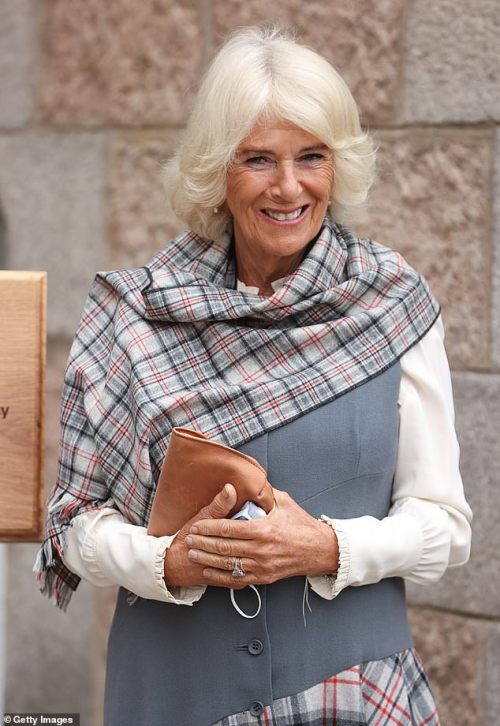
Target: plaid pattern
{"type": "Point", "coordinates": [393, 691]}
{"type": "Point", "coordinates": [174, 344]}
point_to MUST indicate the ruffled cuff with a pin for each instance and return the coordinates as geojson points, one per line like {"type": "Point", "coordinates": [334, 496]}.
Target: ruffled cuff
{"type": "Point", "coordinates": [107, 550]}
{"type": "Point", "coordinates": [329, 586]}
{"type": "Point", "coordinates": [177, 595]}
{"type": "Point", "coordinates": [372, 549]}
{"type": "Point", "coordinates": [390, 547]}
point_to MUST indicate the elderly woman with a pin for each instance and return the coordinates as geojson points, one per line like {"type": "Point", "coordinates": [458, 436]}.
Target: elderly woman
{"type": "Point", "coordinates": [274, 329]}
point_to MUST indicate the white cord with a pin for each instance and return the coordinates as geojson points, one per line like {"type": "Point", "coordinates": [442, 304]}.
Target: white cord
{"type": "Point", "coordinates": [249, 511]}
{"type": "Point", "coordinates": [237, 607]}
{"type": "Point", "coordinates": [305, 599]}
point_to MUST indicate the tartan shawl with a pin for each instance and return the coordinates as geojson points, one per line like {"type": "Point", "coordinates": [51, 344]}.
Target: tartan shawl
{"type": "Point", "coordinates": [173, 343]}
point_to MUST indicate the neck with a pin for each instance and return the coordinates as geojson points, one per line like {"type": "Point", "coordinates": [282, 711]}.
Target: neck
{"type": "Point", "coordinates": [262, 272]}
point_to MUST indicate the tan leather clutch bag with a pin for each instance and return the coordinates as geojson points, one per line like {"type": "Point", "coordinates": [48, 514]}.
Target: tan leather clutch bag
{"type": "Point", "coordinates": [195, 468]}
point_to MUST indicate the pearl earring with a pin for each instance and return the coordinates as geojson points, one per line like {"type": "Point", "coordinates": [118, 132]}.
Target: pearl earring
{"type": "Point", "coordinates": [216, 209]}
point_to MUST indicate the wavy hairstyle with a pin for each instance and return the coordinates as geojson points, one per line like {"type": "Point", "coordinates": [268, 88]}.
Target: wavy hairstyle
{"type": "Point", "coordinates": [261, 74]}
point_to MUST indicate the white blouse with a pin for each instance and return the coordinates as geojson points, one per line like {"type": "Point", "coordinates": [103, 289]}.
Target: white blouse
{"type": "Point", "coordinates": [427, 528]}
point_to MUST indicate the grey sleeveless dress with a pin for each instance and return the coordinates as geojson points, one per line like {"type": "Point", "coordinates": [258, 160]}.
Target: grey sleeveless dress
{"type": "Point", "coordinates": [195, 666]}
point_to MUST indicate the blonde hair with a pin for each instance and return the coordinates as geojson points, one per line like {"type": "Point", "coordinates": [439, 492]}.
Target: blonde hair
{"type": "Point", "coordinates": [257, 75]}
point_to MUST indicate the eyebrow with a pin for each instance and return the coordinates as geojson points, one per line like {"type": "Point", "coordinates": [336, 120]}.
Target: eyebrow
{"type": "Point", "coordinates": [259, 150]}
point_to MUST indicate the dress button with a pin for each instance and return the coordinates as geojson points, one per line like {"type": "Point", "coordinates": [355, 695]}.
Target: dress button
{"type": "Point", "coordinates": [255, 647]}
{"type": "Point", "coordinates": [256, 708]}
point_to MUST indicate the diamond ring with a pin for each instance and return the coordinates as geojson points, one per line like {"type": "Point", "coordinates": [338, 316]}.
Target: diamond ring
{"type": "Point", "coordinates": [238, 570]}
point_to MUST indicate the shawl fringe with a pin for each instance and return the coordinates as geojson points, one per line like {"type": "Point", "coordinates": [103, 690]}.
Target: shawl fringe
{"type": "Point", "coordinates": [55, 580]}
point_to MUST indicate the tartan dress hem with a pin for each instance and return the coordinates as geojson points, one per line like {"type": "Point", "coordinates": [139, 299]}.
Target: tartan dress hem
{"type": "Point", "coordinates": [392, 691]}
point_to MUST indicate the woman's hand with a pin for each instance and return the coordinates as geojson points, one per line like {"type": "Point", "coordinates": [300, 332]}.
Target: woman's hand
{"type": "Point", "coordinates": [181, 571]}
{"type": "Point", "coordinates": [287, 542]}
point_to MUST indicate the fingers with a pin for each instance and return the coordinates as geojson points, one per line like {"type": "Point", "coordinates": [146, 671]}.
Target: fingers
{"type": "Point", "coordinates": [231, 528]}
{"type": "Point", "coordinates": [222, 503]}
{"type": "Point", "coordinates": [220, 546]}
{"type": "Point", "coordinates": [206, 559]}
{"type": "Point", "coordinates": [219, 578]}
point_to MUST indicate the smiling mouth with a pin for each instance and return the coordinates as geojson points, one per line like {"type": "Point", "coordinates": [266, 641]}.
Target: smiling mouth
{"type": "Point", "coordinates": [285, 216]}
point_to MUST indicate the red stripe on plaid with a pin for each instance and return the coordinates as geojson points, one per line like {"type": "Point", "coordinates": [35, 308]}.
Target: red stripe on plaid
{"type": "Point", "coordinates": [431, 719]}
{"type": "Point", "coordinates": [338, 700]}
{"type": "Point", "coordinates": [388, 698]}
{"type": "Point", "coordinates": [174, 344]}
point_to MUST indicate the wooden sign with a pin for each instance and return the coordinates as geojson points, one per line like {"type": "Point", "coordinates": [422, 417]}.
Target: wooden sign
{"type": "Point", "coordinates": [22, 379]}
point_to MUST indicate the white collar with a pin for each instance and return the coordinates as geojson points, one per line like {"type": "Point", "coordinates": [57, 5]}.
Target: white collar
{"type": "Point", "coordinates": [250, 288]}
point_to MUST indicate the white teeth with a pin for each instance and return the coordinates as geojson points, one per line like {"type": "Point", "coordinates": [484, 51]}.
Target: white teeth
{"type": "Point", "coordinates": [281, 217]}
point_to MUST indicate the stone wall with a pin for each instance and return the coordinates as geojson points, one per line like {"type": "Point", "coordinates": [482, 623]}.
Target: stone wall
{"type": "Point", "coordinates": [93, 96]}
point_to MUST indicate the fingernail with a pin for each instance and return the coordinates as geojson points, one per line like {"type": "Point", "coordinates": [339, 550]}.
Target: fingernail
{"type": "Point", "coordinates": [189, 540]}
{"type": "Point", "coordinates": [192, 554]}
{"type": "Point", "coordinates": [194, 529]}
{"type": "Point", "coordinates": [225, 491]}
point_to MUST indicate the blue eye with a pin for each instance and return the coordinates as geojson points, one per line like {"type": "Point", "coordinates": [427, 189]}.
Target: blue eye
{"type": "Point", "coordinates": [315, 156]}
{"type": "Point", "coordinates": [258, 161]}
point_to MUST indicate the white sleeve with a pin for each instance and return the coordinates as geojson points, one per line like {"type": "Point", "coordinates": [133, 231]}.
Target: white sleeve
{"type": "Point", "coordinates": [105, 549]}
{"type": "Point", "coordinates": [428, 525]}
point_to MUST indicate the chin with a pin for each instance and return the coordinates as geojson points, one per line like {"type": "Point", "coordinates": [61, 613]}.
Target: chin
{"type": "Point", "coordinates": [292, 238]}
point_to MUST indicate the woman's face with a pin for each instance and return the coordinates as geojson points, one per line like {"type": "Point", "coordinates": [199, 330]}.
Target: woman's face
{"type": "Point", "coordinates": [278, 189]}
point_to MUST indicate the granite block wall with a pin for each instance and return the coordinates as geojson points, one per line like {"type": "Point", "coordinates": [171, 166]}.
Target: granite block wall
{"type": "Point", "coordinates": [93, 97]}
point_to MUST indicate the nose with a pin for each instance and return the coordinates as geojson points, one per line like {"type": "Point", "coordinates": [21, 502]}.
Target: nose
{"type": "Point", "coordinates": [286, 183]}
